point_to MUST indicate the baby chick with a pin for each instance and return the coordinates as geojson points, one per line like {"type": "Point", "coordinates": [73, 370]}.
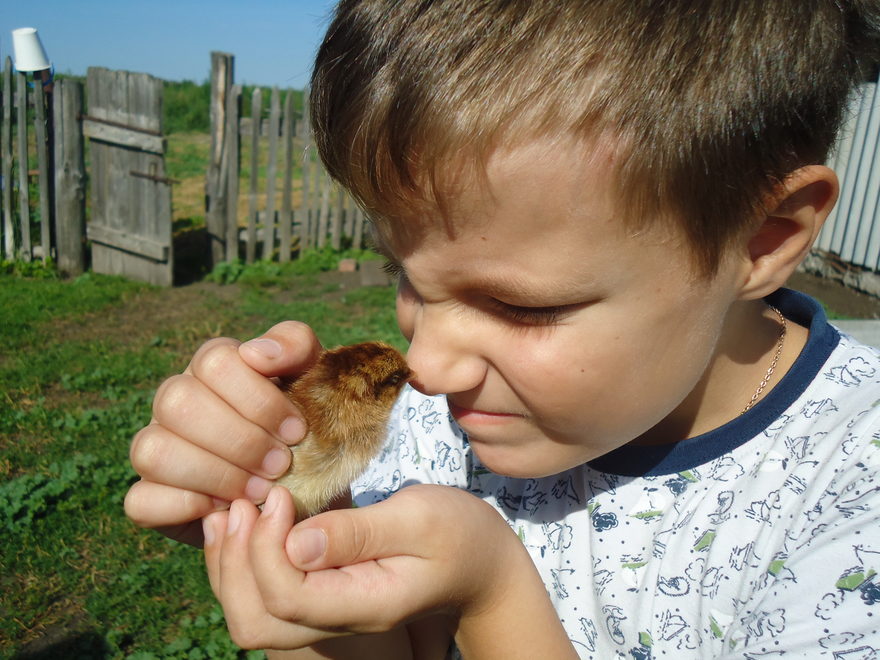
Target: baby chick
{"type": "Point", "coordinates": [346, 399]}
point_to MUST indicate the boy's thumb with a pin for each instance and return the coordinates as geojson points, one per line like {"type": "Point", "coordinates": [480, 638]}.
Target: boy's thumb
{"type": "Point", "coordinates": [346, 536]}
{"type": "Point", "coordinates": [286, 349]}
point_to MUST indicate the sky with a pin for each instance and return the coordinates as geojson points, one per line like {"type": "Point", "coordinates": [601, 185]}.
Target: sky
{"type": "Point", "coordinates": [273, 41]}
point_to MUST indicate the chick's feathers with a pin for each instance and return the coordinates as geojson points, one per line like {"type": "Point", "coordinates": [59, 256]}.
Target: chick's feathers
{"type": "Point", "coordinates": [346, 399]}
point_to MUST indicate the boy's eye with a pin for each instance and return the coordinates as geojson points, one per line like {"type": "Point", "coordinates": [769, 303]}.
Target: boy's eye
{"type": "Point", "coordinates": [393, 268]}
{"type": "Point", "coordinates": [528, 315]}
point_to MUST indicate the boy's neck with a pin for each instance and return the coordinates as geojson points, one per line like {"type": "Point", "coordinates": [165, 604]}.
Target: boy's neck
{"type": "Point", "coordinates": [745, 352]}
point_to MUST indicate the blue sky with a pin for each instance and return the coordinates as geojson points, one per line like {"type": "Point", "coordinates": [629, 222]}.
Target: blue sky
{"type": "Point", "coordinates": [273, 40]}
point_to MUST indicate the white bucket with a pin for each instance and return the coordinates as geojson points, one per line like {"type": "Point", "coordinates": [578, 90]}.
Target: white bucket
{"type": "Point", "coordinates": [29, 52]}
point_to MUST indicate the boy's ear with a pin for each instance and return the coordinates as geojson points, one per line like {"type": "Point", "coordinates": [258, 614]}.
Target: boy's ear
{"type": "Point", "coordinates": [797, 212]}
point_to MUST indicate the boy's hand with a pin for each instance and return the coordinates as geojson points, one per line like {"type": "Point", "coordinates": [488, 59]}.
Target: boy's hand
{"type": "Point", "coordinates": [427, 549]}
{"type": "Point", "coordinates": [220, 431]}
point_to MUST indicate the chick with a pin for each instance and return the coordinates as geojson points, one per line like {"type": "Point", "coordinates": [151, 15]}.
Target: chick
{"type": "Point", "coordinates": [346, 399]}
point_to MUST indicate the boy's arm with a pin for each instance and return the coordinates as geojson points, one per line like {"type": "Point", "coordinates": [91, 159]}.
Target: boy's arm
{"type": "Point", "coordinates": [425, 639]}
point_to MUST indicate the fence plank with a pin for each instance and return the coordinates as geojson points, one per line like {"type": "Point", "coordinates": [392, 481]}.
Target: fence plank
{"type": "Point", "coordinates": [217, 177]}
{"type": "Point", "coordinates": [336, 220]}
{"type": "Point", "coordinates": [256, 114]}
{"type": "Point", "coordinates": [306, 135]}
{"type": "Point", "coordinates": [124, 136]}
{"type": "Point", "coordinates": [42, 147]}
{"type": "Point", "coordinates": [23, 197]}
{"type": "Point", "coordinates": [6, 162]}
{"type": "Point", "coordinates": [271, 170]}
{"type": "Point", "coordinates": [70, 178]}
{"type": "Point", "coordinates": [286, 219]}
{"type": "Point", "coordinates": [232, 168]}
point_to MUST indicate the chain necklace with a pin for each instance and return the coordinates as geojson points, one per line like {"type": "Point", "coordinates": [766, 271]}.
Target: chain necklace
{"type": "Point", "coordinates": [773, 364]}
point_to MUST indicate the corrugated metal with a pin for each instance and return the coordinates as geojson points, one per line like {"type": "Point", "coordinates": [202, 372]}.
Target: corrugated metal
{"type": "Point", "coordinates": [852, 230]}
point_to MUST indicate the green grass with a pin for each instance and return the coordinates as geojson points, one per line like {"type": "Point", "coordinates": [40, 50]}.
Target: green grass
{"type": "Point", "coordinates": [80, 364]}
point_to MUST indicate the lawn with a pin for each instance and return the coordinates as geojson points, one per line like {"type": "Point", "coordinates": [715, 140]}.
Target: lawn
{"type": "Point", "coordinates": [80, 362]}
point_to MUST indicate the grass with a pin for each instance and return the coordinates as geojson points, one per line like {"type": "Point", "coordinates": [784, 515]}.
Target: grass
{"type": "Point", "coordinates": [80, 364]}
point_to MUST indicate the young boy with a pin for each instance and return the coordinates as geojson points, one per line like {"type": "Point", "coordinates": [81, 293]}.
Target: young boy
{"type": "Point", "coordinates": [654, 449]}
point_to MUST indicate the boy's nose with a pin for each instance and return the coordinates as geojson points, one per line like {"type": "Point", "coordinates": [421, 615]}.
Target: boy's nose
{"type": "Point", "coordinates": [444, 362]}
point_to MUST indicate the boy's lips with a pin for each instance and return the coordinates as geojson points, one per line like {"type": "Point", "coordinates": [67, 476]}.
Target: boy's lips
{"type": "Point", "coordinates": [477, 416]}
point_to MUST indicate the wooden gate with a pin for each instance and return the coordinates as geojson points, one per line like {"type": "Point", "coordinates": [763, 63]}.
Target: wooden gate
{"type": "Point", "coordinates": [130, 219]}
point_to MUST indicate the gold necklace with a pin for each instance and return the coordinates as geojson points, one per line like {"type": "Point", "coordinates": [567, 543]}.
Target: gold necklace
{"type": "Point", "coordinates": [773, 364]}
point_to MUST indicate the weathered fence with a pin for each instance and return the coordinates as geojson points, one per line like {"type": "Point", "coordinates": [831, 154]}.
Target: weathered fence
{"type": "Point", "coordinates": [57, 219]}
{"type": "Point", "coordinates": [852, 232]}
{"type": "Point", "coordinates": [285, 204]}
{"type": "Point", "coordinates": [130, 219]}
{"type": "Point", "coordinates": [311, 212]}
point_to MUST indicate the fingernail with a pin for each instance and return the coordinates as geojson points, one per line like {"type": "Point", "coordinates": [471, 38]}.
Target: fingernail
{"type": "Point", "coordinates": [272, 501]}
{"type": "Point", "coordinates": [292, 429]}
{"type": "Point", "coordinates": [208, 530]}
{"type": "Point", "coordinates": [308, 544]}
{"type": "Point", "coordinates": [257, 488]}
{"type": "Point", "coordinates": [266, 347]}
{"type": "Point", "coordinates": [234, 519]}
{"type": "Point", "coordinates": [220, 505]}
{"type": "Point", "coordinates": [276, 461]}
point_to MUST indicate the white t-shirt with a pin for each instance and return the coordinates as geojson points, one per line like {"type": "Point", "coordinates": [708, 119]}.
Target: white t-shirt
{"type": "Point", "coordinates": [759, 539]}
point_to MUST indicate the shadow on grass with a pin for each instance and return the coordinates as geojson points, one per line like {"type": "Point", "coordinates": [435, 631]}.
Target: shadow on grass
{"type": "Point", "coordinates": [88, 645]}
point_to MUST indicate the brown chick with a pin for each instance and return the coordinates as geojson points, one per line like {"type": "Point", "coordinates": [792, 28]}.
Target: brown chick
{"type": "Point", "coordinates": [346, 399]}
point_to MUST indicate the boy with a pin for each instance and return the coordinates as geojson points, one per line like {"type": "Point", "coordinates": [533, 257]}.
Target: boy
{"type": "Point", "coordinates": [655, 450]}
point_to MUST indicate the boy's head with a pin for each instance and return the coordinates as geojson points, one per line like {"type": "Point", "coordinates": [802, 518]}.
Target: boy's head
{"type": "Point", "coordinates": [705, 105]}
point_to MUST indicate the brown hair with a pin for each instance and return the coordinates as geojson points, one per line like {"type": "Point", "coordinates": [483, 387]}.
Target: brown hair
{"type": "Point", "coordinates": [712, 103]}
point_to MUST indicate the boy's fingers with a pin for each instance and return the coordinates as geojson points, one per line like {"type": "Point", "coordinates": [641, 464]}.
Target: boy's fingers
{"type": "Point", "coordinates": [186, 407]}
{"type": "Point", "coordinates": [162, 457]}
{"type": "Point", "coordinates": [214, 528]}
{"type": "Point", "coordinates": [287, 349]}
{"type": "Point", "coordinates": [274, 574]}
{"type": "Point", "coordinates": [219, 366]}
{"type": "Point", "coordinates": [229, 558]}
{"type": "Point", "coordinates": [155, 505]}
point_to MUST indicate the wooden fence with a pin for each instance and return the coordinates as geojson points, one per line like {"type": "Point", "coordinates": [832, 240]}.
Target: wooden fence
{"type": "Point", "coordinates": [307, 210]}
{"type": "Point", "coordinates": [47, 191]}
{"type": "Point", "coordinates": [52, 142]}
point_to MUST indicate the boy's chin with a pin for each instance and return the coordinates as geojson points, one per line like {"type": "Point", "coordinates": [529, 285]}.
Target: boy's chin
{"type": "Point", "coordinates": [519, 462]}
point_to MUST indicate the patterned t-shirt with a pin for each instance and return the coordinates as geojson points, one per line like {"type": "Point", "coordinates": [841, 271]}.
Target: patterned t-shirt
{"type": "Point", "coordinates": [759, 539]}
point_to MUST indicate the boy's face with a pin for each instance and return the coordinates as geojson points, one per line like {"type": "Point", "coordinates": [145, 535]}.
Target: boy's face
{"type": "Point", "coordinates": [557, 335]}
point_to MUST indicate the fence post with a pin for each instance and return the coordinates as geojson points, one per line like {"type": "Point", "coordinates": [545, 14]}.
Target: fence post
{"type": "Point", "coordinates": [269, 225]}
{"type": "Point", "coordinates": [303, 231]}
{"type": "Point", "coordinates": [41, 111]}
{"type": "Point", "coordinates": [256, 117]}
{"type": "Point", "coordinates": [217, 176]}
{"type": "Point", "coordinates": [70, 178]}
{"type": "Point", "coordinates": [233, 160]}
{"type": "Point", "coordinates": [6, 161]}
{"type": "Point", "coordinates": [23, 196]}
{"type": "Point", "coordinates": [286, 217]}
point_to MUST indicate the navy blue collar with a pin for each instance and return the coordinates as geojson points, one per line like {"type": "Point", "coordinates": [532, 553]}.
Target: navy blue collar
{"type": "Point", "coordinates": [639, 460]}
